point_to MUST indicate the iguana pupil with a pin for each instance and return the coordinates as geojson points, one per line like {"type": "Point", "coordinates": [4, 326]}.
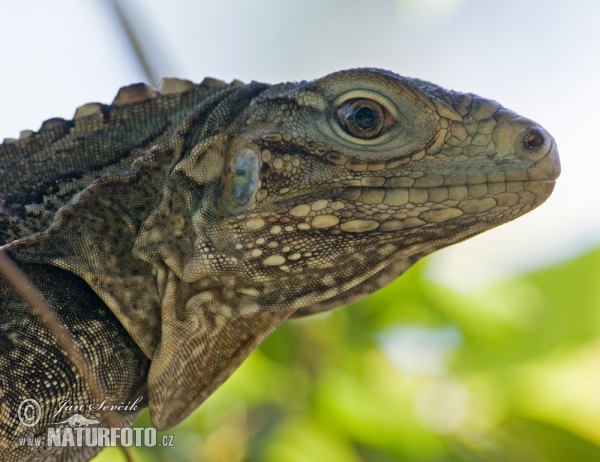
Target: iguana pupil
{"type": "Point", "coordinates": [365, 118]}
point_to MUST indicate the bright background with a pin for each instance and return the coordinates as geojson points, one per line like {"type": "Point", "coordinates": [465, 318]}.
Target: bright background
{"type": "Point", "coordinates": [473, 347]}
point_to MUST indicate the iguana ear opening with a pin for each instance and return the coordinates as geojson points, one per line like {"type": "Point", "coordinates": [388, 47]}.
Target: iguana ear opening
{"type": "Point", "coordinates": [243, 175]}
{"type": "Point", "coordinates": [204, 340]}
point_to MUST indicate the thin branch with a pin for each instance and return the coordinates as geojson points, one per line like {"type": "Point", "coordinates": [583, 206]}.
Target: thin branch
{"type": "Point", "coordinates": [146, 48]}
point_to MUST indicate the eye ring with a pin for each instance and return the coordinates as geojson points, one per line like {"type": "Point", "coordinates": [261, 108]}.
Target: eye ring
{"type": "Point", "coordinates": [362, 118]}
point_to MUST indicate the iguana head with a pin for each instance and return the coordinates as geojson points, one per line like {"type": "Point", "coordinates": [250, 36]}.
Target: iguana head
{"type": "Point", "coordinates": [314, 187]}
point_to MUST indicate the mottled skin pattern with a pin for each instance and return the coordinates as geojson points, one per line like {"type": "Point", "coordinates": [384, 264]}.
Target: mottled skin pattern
{"type": "Point", "coordinates": [176, 229]}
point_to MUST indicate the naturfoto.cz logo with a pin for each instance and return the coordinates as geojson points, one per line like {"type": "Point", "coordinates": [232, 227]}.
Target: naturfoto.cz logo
{"type": "Point", "coordinates": [78, 431]}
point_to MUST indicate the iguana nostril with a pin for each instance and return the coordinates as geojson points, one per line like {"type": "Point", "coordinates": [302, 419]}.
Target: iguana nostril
{"type": "Point", "coordinates": [535, 138]}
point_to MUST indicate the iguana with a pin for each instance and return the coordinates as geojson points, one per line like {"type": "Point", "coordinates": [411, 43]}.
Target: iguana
{"type": "Point", "coordinates": [174, 229]}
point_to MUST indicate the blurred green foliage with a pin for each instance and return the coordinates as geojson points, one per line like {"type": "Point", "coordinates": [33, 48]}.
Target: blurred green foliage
{"type": "Point", "coordinates": [417, 372]}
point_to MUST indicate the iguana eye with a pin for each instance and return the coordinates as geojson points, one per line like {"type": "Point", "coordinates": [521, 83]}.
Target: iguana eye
{"type": "Point", "coordinates": [363, 118]}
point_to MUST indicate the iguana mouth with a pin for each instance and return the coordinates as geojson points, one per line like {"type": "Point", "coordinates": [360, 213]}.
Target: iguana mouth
{"type": "Point", "coordinates": [398, 196]}
{"type": "Point", "coordinates": [438, 188]}
{"type": "Point", "coordinates": [476, 191]}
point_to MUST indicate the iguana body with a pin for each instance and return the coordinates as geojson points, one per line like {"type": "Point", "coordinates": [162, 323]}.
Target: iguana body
{"type": "Point", "coordinates": [173, 230]}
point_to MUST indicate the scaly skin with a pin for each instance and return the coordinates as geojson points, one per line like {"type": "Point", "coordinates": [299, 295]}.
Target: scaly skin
{"type": "Point", "coordinates": [220, 211]}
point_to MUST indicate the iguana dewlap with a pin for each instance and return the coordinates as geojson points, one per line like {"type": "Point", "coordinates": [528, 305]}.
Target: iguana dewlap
{"type": "Point", "coordinates": [176, 228]}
